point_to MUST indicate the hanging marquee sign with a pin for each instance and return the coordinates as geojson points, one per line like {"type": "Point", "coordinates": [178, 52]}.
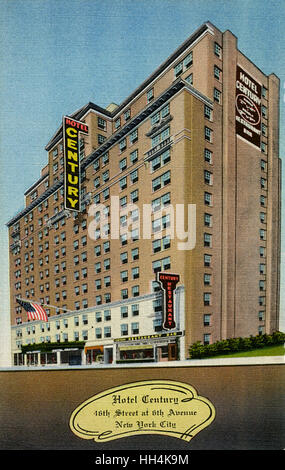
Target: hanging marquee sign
{"type": "Point", "coordinates": [248, 107]}
{"type": "Point", "coordinates": [168, 283]}
{"type": "Point", "coordinates": [71, 131]}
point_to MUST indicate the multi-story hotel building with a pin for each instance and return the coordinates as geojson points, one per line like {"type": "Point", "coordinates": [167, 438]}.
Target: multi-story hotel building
{"type": "Point", "coordinates": [199, 137]}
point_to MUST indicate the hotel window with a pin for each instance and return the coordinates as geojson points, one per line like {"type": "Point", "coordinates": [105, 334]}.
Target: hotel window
{"type": "Point", "coordinates": [261, 315]}
{"type": "Point", "coordinates": [97, 182]}
{"type": "Point", "coordinates": [135, 254]}
{"type": "Point", "coordinates": [208, 199]}
{"type": "Point", "coordinates": [207, 320]}
{"type": "Point", "coordinates": [77, 290]}
{"type": "Point", "coordinates": [98, 299]}
{"type": "Point", "coordinates": [123, 183]}
{"type": "Point", "coordinates": [262, 251]}
{"type": "Point", "coordinates": [98, 267]}
{"type": "Point", "coordinates": [262, 217]}
{"type": "Point", "coordinates": [123, 201]}
{"type": "Point", "coordinates": [98, 317]}
{"type": "Point", "coordinates": [178, 69]}
{"type": "Point", "coordinates": [160, 161]}
{"type": "Point", "coordinates": [107, 264]}
{"type": "Point", "coordinates": [107, 281]}
{"type": "Point", "coordinates": [77, 305]}
{"type": "Point", "coordinates": [150, 95]}
{"type": "Point", "coordinates": [106, 247]}
{"type": "Point", "coordinates": [135, 273]}
{"type": "Point", "coordinates": [124, 329]}
{"type": "Point", "coordinates": [160, 137]}
{"type": "Point", "coordinates": [117, 123]}
{"type": "Point", "coordinates": [263, 183]}
{"type": "Point", "coordinates": [107, 298]}
{"type": "Point", "coordinates": [98, 284]}
{"type": "Point", "coordinates": [124, 294]}
{"type": "Point", "coordinates": [98, 333]}
{"type": "Point", "coordinates": [96, 165]}
{"type": "Point", "coordinates": [134, 136]}
{"type": "Point", "coordinates": [262, 285]}
{"type": "Point", "coordinates": [161, 181]}
{"type": "Point", "coordinates": [264, 111]}
{"type": "Point", "coordinates": [101, 139]}
{"type": "Point", "coordinates": [263, 165]}
{"type": "Point", "coordinates": [55, 153]}
{"type": "Point", "coordinates": [135, 328]}
{"type": "Point", "coordinates": [135, 234]}
{"type": "Point", "coordinates": [155, 118]}
{"type": "Point", "coordinates": [208, 112]}
{"type": "Point", "coordinates": [208, 134]}
{"type": "Point", "coordinates": [134, 156]}
{"type": "Point", "coordinates": [264, 130]}
{"type": "Point", "coordinates": [105, 176]}
{"type": "Point", "coordinates": [263, 147]}
{"type": "Point", "coordinates": [261, 300]}
{"type": "Point", "coordinates": [262, 234]}
{"type": "Point", "coordinates": [123, 164]}
{"type": "Point", "coordinates": [262, 268]}
{"type": "Point", "coordinates": [105, 159]}
{"type": "Point", "coordinates": [84, 288]}
{"type": "Point", "coordinates": [217, 72]}
{"type": "Point", "coordinates": [207, 339]}
{"type": "Point", "coordinates": [208, 177]}
{"type": "Point", "coordinates": [123, 145]}
{"type": "Point", "coordinates": [207, 239]}
{"type": "Point", "coordinates": [124, 312]}
{"type": "Point", "coordinates": [264, 92]}
{"type": "Point", "coordinates": [161, 264]}
{"type": "Point", "coordinates": [97, 250]}
{"type": "Point", "coordinates": [207, 260]}
{"type": "Point", "coordinates": [261, 330]}
{"type": "Point", "coordinates": [217, 95]}
{"type": "Point", "coordinates": [107, 315]}
{"type": "Point", "coordinates": [217, 50]}
{"type": "Point", "coordinates": [189, 79]}
{"type": "Point", "coordinates": [160, 202]}
{"type": "Point", "coordinates": [207, 279]}
{"type": "Point", "coordinates": [124, 239]}
{"type": "Point", "coordinates": [127, 114]}
{"type": "Point", "coordinates": [207, 298]}
{"type": "Point", "coordinates": [135, 310]}
{"type": "Point", "coordinates": [102, 123]}
{"type": "Point", "coordinates": [124, 276]}
{"type": "Point", "coordinates": [134, 196]}
{"type": "Point", "coordinates": [107, 332]}
{"type": "Point", "coordinates": [134, 176]}
{"type": "Point", "coordinates": [96, 199]}
{"type": "Point", "coordinates": [208, 220]}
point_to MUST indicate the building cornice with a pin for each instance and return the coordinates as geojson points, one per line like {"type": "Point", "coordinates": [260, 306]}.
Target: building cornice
{"type": "Point", "coordinates": [206, 27]}
{"type": "Point", "coordinates": [175, 88]}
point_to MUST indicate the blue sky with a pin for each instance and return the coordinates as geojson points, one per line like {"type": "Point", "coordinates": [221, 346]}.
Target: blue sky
{"type": "Point", "coordinates": [57, 55]}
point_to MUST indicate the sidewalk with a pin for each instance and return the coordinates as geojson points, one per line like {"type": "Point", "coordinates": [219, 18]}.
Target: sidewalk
{"type": "Point", "coordinates": [238, 361]}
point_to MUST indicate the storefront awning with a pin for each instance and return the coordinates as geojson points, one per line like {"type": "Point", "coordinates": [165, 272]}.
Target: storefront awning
{"type": "Point", "coordinates": [136, 346]}
{"type": "Point", "coordinates": [98, 348]}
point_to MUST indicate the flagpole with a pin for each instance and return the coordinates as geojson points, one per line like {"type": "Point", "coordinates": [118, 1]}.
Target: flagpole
{"type": "Point", "coordinates": [46, 305]}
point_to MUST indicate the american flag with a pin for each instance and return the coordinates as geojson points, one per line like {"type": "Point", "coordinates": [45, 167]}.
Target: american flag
{"type": "Point", "coordinates": [34, 311]}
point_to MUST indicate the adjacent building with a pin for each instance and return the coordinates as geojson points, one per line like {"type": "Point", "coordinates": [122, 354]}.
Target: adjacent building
{"type": "Point", "coordinates": [182, 178]}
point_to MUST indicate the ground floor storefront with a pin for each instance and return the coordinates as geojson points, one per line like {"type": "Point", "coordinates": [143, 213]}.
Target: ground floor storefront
{"type": "Point", "coordinates": [150, 348]}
